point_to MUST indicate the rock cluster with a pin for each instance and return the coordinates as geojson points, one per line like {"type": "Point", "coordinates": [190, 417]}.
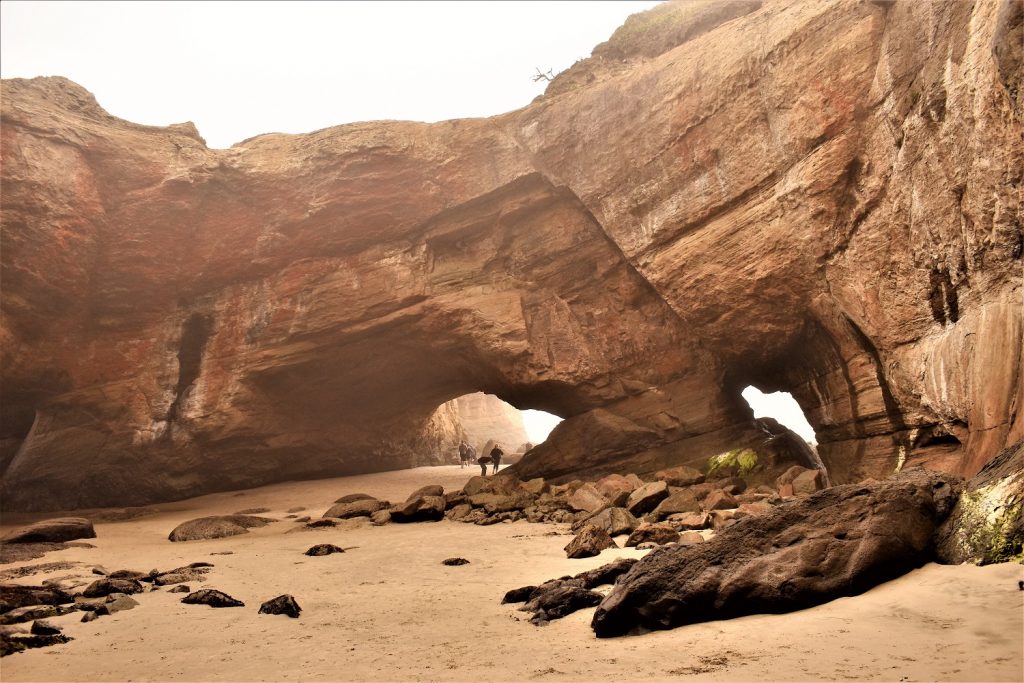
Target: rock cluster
{"type": "Point", "coordinates": [216, 527]}
{"type": "Point", "coordinates": [837, 542]}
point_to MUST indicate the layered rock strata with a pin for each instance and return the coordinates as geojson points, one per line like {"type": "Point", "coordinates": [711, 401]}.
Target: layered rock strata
{"type": "Point", "coordinates": [817, 197]}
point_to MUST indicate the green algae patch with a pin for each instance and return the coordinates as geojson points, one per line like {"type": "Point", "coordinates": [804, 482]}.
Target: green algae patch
{"type": "Point", "coordinates": [744, 460]}
{"type": "Point", "coordinates": [990, 525]}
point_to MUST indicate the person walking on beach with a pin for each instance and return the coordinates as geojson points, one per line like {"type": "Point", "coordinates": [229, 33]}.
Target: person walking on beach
{"type": "Point", "coordinates": [496, 454]}
{"type": "Point", "coordinates": [463, 454]}
{"type": "Point", "coordinates": [483, 461]}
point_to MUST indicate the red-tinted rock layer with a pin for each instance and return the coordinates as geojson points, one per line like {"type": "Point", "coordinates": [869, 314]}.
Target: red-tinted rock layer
{"type": "Point", "coordinates": [815, 197]}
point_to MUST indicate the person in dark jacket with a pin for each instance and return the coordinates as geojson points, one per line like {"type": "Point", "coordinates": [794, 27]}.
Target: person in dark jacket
{"type": "Point", "coordinates": [496, 454]}
{"type": "Point", "coordinates": [483, 461]}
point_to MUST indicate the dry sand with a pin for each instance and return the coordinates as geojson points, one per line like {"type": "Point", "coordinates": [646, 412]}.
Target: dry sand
{"type": "Point", "coordinates": [388, 610]}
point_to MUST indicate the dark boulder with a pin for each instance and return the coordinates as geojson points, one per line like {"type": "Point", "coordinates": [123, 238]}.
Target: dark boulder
{"type": "Point", "coordinates": [321, 523]}
{"type": "Point", "coordinates": [590, 541]}
{"type": "Point", "coordinates": [52, 531]}
{"type": "Point", "coordinates": [220, 526]}
{"type": "Point", "coordinates": [41, 627]}
{"type": "Point", "coordinates": [16, 642]}
{"type": "Point", "coordinates": [455, 561]}
{"type": "Point", "coordinates": [14, 595]}
{"type": "Point", "coordinates": [837, 542]}
{"type": "Point", "coordinates": [556, 599]}
{"type": "Point", "coordinates": [211, 597]}
{"type": "Point", "coordinates": [606, 573]}
{"type": "Point", "coordinates": [518, 594]}
{"type": "Point", "coordinates": [103, 587]}
{"type": "Point", "coordinates": [420, 509]}
{"type": "Point", "coordinates": [282, 604]}
{"type": "Point", "coordinates": [323, 549]}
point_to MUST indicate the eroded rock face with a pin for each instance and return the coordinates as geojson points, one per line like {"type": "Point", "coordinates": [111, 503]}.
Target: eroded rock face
{"type": "Point", "coordinates": [629, 252]}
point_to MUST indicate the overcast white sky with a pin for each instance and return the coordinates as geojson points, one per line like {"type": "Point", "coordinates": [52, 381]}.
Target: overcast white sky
{"type": "Point", "coordinates": [238, 69]}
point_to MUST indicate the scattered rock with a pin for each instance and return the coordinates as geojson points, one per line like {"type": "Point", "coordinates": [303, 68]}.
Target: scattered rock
{"type": "Point", "coordinates": [535, 486]}
{"type": "Point", "coordinates": [659, 534]}
{"type": "Point", "coordinates": [323, 549]}
{"type": "Point", "coordinates": [361, 507]}
{"type": "Point", "coordinates": [295, 509]}
{"type": "Point", "coordinates": [93, 615]}
{"type": "Point", "coordinates": [428, 490]}
{"type": "Point", "coordinates": [103, 587]}
{"type": "Point", "coordinates": [808, 482]}
{"type": "Point", "coordinates": [11, 643]}
{"type": "Point", "coordinates": [56, 530]}
{"type": "Point", "coordinates": [419, 509]}
{"type": "Point", "coordinates": [518, 594]}
{"type": "Point", "coordinates": [380, 517]}
{"type": "Point", "coordinates": [589, 542]}
{"type": "Point", "coordinates": [118, 602]}
{"type": "Point", "coordinates": [690, 538]}
{"type": "Point", "coordinates": [689, 520]}
{"type": "Point", "coordinates": [606, 573]}
{"type": "Point", "coordinates": [211, 597]}
{"type": "Point", "coordinates": [224, 552]}
{"type": "Point", "coordinates": [477, 485]}
{"type": "Point", "coordinates": [677, 502]}
{"type": "Point", "coordinates": [216, 527]}
{"type": "Point", "coordinates": [838, 542]}
{"type": "Point", "coordinates": [587, 499]}
{"type": "Point", "coordinates": [455, 561]}
{"type": "Point", "coordinates": [353, 497]}
{"type": "Point", "coordinates": [614, 521]}
{"type": "Point", "coordinates": [320, 523]}
{"type": "Point", "coordinates": [282, 604]}
{"type": "Point", "coordinates": [252, 511]}
{"type": "Point", "coordinates": [556, 599]}
{"type": "Point", "coordinates": [20, 615]}
{"type": "Point", "coordinates": [719, 500]}
{"type": "Point", "coordinates": [180, 588]}
{"type": "Point", "coordinates": [15, 595]}
{"type": "Point", "coordinates": [680, 476]}
{"type": "Point", "coordinates": [304, 518]}
{"type": "Point", "coordinates": [647, 497]}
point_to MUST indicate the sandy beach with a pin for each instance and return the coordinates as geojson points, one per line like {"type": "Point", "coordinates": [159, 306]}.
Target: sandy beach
{"type": "Point", "coordinates": [388, 610]}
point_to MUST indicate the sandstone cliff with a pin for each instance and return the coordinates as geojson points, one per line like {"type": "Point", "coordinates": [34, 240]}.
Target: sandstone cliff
{"type": "Point", "coordinates": [817, 197]}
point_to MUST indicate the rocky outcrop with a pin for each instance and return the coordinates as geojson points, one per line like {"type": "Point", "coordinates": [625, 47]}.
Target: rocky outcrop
{"type": "Point", "coordinates": [987, 524]}
{"type": "Point", "coordinates": [692, 210]}
{"type": "Point", "coordinates": [52, 531]}
{"type": "Point", "coordinates": [838, 542]}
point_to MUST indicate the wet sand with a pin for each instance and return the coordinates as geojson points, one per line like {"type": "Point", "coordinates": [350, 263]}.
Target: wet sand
{"type": "Point", "coordinates": [388, 610]}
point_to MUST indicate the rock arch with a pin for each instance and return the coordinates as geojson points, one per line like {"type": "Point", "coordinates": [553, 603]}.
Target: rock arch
{"type": "Point", "coordinates": [628, 252]}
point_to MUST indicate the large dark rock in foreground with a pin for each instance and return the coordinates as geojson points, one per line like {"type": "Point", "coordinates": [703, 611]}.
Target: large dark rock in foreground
{"type": "Point", "coordinates": [838, 542]}
{"type": "Point", "coordinates": [52, 531]}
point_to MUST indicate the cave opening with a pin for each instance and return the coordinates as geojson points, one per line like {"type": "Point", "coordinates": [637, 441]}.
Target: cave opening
{"type": "Point", "coordinates": [485, 420]}
{"type": "Point", "coordinates": [781, 407]}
